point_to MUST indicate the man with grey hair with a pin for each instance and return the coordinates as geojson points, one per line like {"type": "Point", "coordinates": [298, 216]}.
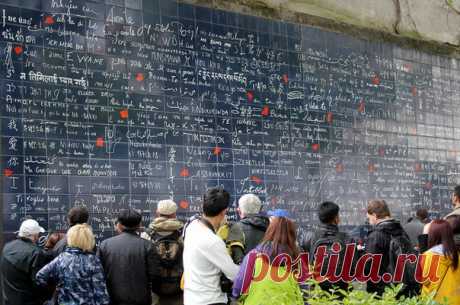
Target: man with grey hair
{"type": "Point", "coordinates": [21, 260]}
{"type": "Point", "coordinates": [251, 228]}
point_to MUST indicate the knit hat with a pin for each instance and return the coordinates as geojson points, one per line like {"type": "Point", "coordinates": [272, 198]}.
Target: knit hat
{"type": "Point", "coordinates": [166, 207]}
{"type": "Point", "coordinates": [278, 213]}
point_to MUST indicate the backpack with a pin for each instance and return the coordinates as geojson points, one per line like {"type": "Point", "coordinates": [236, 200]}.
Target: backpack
{"type": "Point", "coordinates": [400, 244]}
{"type": "Point", "coordinates": [328, 240]}
{"type": "Point", "coordinates": [232, 236]}
{"type": "Point", "coordinates": [169, 249]}
{"type": "Point", "coordinates": [226, 233]}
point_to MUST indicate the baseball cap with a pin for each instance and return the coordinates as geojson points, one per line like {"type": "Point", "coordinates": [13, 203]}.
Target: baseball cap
{"type": "Point", "coordinates": [278, 213]}
{"type": "Point", "coordinates": [29, 227]}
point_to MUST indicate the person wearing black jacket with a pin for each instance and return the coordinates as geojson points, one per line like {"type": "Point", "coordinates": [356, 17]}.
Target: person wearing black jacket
{"type": "Point", "coordinates": [20, 262]}
{"type": "Point", "coordinates": [326, 235]}
{"type": "Point", "coordinates": [384, 231]}
{"type": "Point", "coordinates": [76, 215]}
{"type": "Point", "coordinates": [250, 230]}
{"type": "Point", "coordinates": [130, 262]}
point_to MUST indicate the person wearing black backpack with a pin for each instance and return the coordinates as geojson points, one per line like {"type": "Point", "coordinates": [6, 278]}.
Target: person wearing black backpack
{"type": "Point", "coordinates": [326, 235]}
{"type": "Point", "coordinates": [165, 233]}
{"type": "Point", "coordinates": [389, 239]}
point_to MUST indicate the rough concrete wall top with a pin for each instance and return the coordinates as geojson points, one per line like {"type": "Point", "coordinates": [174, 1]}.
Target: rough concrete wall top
{"type": "Point", "coordinates": [375, 14]}
{"type": "Point", "coordinates": [437, 20]}
{"type": "Point", "coordinates": [431, 19]}
{"type": "Point", "coordinates": [434, 21]}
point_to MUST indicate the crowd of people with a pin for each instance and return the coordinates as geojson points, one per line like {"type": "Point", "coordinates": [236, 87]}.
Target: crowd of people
{"type": "Point", "coordinates": [211, 261]}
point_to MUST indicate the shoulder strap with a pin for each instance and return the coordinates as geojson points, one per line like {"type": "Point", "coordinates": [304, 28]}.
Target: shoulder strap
{"type": "Point", "coordinates": [208, 224]}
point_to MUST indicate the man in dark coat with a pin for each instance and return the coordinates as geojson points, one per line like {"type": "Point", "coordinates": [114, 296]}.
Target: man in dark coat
{"type": "Point", "coordinates": [326, 235]}
{"type": "Point", "coordinates": [250, 230]}
{"type": "Point", "coordinates": [20, 262]}
{"type": "Point", "coordinates": [387, 231]}
{"type": "Point", "coordinates": [130, 262]}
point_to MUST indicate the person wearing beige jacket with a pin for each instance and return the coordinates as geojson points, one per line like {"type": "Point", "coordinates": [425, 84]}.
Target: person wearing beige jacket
{"type": "Point", "coordinates": [455, 202]}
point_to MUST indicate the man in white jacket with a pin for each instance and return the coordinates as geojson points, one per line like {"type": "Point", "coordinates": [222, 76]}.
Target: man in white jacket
{"type": "Point", "coordinates": [205, 255]}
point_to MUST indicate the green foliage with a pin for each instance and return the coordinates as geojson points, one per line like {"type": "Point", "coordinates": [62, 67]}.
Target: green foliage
{"type": "Point", "coordinates": [316, 296]}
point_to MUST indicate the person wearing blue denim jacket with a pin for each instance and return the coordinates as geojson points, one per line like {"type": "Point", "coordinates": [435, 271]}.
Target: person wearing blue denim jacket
{"type": "Point", "coordinates": [77, 272]}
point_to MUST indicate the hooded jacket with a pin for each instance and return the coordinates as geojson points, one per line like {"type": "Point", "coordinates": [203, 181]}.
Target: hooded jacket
{"type": "Point", "coordinates": [378, 242]}
{"type": "Point", "coordinates": [254, 228]}
{"type": "Point", "coordinates": [20, 262]}
{"type": "Point", "coordinates": [330, 232]}
{"type": "Point", "coordinates": [163, 226]}
{"type": "Point", "coordinates": [249, 232]}
{"type": "Point", "coordinates": [163, 229]}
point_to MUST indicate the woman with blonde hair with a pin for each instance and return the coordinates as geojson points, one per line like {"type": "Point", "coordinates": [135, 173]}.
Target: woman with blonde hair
{"type": "Point", "coordinates": [77, 271]}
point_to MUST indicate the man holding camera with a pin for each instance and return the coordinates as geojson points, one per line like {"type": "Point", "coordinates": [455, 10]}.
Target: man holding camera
{"type": "Point", "coordinates": [205, 255]}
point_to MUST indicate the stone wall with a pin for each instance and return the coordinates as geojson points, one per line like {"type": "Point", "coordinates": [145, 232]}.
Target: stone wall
{"type": "Point", "coordinates": [427, 24]}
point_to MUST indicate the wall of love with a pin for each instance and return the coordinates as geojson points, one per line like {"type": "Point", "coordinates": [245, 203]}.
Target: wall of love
{"type": "Point", "coordinates": [119, 103]}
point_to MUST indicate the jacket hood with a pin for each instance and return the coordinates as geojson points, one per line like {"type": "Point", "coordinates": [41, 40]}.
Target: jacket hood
{"type": "Point", "coordinates": [163, 224]}
{"type": "Point", "coordinates": [20, 254]}
{"type": "Point", "coordinates": [390, 226]}
{"type": "Point", "coordinates": [258, 221]}
{"type": "Point", "coordinates": [329, 229]}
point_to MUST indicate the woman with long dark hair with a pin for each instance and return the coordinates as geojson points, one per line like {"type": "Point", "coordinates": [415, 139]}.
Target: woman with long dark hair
{"type": "Point", "coordinates": [266, 275]}
{"type": "Point", "coordinates": [443, 255]}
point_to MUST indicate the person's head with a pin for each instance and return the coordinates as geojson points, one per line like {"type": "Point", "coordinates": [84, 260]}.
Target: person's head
{"type": "Point", "coordinates": [377, 210]}
{"type": "Point", "coordinates": [422, 214]}
{"type": "Point", "coordinates": [440, 233]}
{"type": "Point", "coordinates": [281, 234]}
{"type": "Point", "coordinates": [53, 239]}
{"type": "Point", "coordinates": [81, 236]}
{"type": "Point", "coordinates": [215, 204]}
{"type": "Point", "coordinates": [249, 204]}
{"type": "Point", "coordinates": [328, 213]}
{"type": "Point", "coordinates": [128, 220]}
{"type": "Point", "coordinates": [166, 208]}
{"type": "Point", "coordinates": [77, 215]}
{"type": "Point", "coordinates": [30, 229]}
{"type": "Point", "coordinates": [454, 222]}
{"type": "Point", "coordinates": [456, 196]}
